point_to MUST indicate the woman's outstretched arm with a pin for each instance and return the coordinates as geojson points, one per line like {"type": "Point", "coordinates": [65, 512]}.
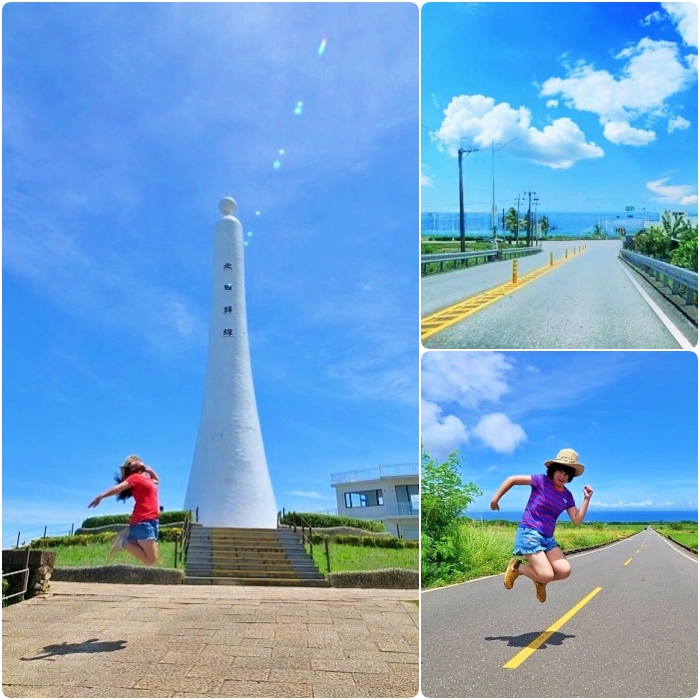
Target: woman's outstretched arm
{"type": "Point", "coordinates": [109, 492]}
{"type": "Point", "coordinates": [506, 486]}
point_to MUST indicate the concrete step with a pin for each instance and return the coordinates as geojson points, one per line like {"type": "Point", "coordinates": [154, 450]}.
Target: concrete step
{"type": "Point", "coordinates": [235, 581]}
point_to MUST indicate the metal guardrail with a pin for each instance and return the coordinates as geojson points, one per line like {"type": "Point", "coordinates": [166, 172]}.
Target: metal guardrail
{"type": "Point", "coordinates": [488, 255]}
{"type": "Point", "coordinates": [670, 275]}
{"type": "Point", "coordinates": [374, 473]}
{"type": "Point", "coordinates": [182, 544]}
{"type": "Point", "coordinates": [25, 571]}
{"type": "Point", "coordinates": [24, 537]}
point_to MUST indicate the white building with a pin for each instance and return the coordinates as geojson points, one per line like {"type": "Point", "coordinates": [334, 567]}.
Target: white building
{"type": "Point", "coordinates": [388, 493]}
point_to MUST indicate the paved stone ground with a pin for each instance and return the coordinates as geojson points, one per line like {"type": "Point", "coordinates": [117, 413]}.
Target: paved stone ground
{"type": "Point", "coordinates": [117, 640]}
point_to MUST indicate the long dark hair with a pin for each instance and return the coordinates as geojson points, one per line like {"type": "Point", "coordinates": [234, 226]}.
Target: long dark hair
{"type": "Point", "coordinates": [124, 471]}
{"type": "Point", "coordinates": [555, 466]}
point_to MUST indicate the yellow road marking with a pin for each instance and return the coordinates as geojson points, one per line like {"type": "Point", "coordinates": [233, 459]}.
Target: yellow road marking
{"type": "Point", "coordinates": [537, 643]}
{"type": "Point", "coordinates": [444, 318]}
{"type": "Point", "coordinates": [627, 562]}
{"type": "Point", "coordinates": [638, 551]}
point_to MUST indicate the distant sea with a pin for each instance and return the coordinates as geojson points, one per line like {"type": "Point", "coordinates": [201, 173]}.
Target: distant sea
{"type": "Point", "coordinates": [446, 224]}
{"type": "Point", "coordinates": [601, 516]}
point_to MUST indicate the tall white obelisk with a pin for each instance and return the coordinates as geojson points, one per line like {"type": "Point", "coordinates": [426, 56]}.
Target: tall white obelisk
{"type": "Point", "coordinates": [229, 481]}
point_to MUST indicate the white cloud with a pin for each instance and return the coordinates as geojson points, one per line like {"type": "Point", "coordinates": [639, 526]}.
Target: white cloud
{"type": "Point", "coordinates": [654, 71]}
{"type": "Point", "coordinates": [685, 16]}
{"type": "Point", "coordinates": [467, 379]}
{"type": "Point", "coordinates": [622, 504]}
{"type": "Point", "coordinates": [673, 194]}
{"type": "Point", "coordinates": [498, 432]}
{"type": "Point", "coordinates": [481, 121]}
{"type": "Point", "coordinates": [552, 103]}
{"type": "Point", "coordinates": [677, 123]}
{"type": "Point", "coordinates": [440, 435]}
{"type": "Point", "coordinates": [653, 17]}
{"type": "Point", "coordinates": [623, 133]}
{"type": "Point", "coordinates": [308, 494]}
{"type": "Point", "coordinates": [425, 180]}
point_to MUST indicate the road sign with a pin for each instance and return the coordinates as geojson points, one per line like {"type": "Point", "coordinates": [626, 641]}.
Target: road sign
{"type": "Point", "coordinates": [629, 208]}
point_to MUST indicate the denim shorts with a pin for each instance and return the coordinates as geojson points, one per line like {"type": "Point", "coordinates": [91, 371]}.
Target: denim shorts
{"type": "Point", "coordinates": [529, 541]}
{"type": "Point", "coordinates": [145, 530]}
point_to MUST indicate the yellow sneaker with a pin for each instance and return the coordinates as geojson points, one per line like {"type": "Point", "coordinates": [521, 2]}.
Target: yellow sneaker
{"type": "Point", "coordinates": [511, 573]}
{"type": "Point", "coordinates": [541, 591]}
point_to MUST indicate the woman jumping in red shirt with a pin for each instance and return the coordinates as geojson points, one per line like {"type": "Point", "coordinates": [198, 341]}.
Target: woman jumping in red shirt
{"type": "Point", "coordinates": [140, 539]}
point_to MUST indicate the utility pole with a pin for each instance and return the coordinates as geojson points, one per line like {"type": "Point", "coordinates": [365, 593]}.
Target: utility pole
{"type": "Point", "coordinates": [529, 217]}
{"type": "Point", "coordinates": [462, 242]}
{"type": "Point", "coordinates": [517, 221]}
{"type": "Point", "coordinates": [494, 222]}
{"type": "Point", "coordinates": [535, 202]}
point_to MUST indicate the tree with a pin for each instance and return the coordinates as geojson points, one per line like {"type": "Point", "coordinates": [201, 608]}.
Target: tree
{"type": "Point", "coordinates": [544, 225]}
{"type": "Point", "coordinates": [686, 255]}
{"type": "Point", "coordinates": [598, 232]}
{"type": "Point", "coordinates": [674, 224]}
{"type": "Point", "coordinates": [444, 497]}
{"type": "Point", "coordinates": [511, 222]}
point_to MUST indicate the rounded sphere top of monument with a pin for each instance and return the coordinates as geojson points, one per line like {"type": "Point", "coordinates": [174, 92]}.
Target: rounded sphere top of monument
{"type": "Point", "coordinates": [228, 206]}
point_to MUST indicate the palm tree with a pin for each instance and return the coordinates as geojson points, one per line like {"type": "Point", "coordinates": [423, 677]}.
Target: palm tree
{"type": "Point", "coordinates": [544, 225]}
{"type": "Point", "coordinates": [511, 223]}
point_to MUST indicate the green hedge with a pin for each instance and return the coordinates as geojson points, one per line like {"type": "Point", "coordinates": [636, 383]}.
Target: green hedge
{"type": "Point", "coordinates": [369, 541]}
{"type": "Point", "coordinates": [166, 518]}
{"type": "Point", "coordinates": [322, 520]}
{"type": "Point", "coordinates": [165, 534]}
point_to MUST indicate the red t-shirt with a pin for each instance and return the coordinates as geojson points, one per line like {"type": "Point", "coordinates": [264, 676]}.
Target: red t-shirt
{"type": "Point", "coordinates": [145, 494]}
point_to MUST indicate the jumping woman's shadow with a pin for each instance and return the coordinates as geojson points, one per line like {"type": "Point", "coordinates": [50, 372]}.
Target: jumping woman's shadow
{"type": "Point", "coordinates": [524, 640]}
{"type": "Point", "coordinates": [89, 646]}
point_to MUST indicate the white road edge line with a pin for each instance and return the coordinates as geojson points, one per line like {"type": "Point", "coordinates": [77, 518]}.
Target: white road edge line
{"type": "Point", "coordinates": [674, 549]}
{"type": "Point", "coordinates": [677, 335]}
{"type": "Point", "coordinates": [483, 578]}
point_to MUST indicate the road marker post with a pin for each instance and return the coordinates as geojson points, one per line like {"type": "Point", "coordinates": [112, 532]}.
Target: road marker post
{"type": "Point", "coordinates": [515, 272]}
{"type": "Point", "coordinates": [566, 253]}
{"type": "Point", "coordinates": [551, 259]}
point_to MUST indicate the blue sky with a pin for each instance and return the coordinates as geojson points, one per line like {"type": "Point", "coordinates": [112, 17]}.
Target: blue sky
{"type": "Point", "coordinates": [123, 127]}
{"type": "Point", "coordinates": [631, 416]}
{"type": "Point", "coordinates": [592, 105]}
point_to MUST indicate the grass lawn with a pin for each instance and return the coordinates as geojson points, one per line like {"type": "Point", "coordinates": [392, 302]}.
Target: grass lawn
{"type": "Point", "coordinates": [346, 557]}
{"type": "Point", "coordinates": [684, 532]}
{"type": "Point", "coordinates": [96, 555]}
{"type": "Point", "coordinates": [482, 548]}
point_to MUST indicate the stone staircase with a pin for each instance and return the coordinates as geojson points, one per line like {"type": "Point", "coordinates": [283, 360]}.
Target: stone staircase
{"type": "Point", "coordinates": [249, 557]}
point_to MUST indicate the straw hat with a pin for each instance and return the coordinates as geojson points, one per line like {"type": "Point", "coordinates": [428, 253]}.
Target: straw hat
{"type": "Point", "coordinates": [124, 469]}
{"type": "Point", "coordinates": [569, 458]}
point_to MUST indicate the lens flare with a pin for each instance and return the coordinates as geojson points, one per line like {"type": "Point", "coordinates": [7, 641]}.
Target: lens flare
{"type": "Point", "coordinates": [281, 151]}
{"type": "Point", "coordinates": [257, 213]}
{"type": "Point", "coordinates": [298, 108]}
{"type": "Point", "coordinates": [276, 165]}
{"type": "Point", "coordinates": [322, 48]}
{"type": "Point", "coordinates": [250, 233]}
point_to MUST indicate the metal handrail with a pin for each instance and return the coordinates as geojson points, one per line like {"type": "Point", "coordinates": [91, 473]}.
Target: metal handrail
{"type": "Point", "coordinates": [24, 571]}
{"type": "Point", "coordinates": [182, 544]}
{"type": "Point", "coordinates": [679, 275]}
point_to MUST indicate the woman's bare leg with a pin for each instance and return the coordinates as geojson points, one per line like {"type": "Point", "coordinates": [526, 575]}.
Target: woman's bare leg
{"type": "Point", "coordinates": [150, 549]}
{"type": "Point", "coordinates": [538, 568]}
{"type": "Point", "coordinates": [135, 549]}
{"type": "Point", "coordinates": [560, 564]}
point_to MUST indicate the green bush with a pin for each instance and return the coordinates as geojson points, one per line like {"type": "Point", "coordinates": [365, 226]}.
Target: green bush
{"type": "Point", "coordinates": [166, 518]}
{"type": "Point", "coordinates": [323, 520]}
{"type": "Point", "coordinates": [357, 541]}
{"type": "Point", "coordinates": [165, 534]}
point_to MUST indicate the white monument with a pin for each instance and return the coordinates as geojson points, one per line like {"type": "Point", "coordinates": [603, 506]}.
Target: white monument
{"type": "Point", "coordinates": [229, 482]}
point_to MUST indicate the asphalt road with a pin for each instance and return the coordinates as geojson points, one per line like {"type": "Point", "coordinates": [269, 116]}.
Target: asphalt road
{"type": "Point", "coordinates": [587, 303]}
{"type": "Point", "coordinates": [637, 637]}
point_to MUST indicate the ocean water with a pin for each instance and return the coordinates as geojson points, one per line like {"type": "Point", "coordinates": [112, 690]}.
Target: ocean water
{"type": "Point", "coordinates": [601, 515]}
{"type": "Point", "coordinates": [574, 224]}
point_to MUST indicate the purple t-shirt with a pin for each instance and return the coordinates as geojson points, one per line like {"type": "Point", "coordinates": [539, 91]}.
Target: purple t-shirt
{"type": "Point", "coordinates": [545, 505]}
